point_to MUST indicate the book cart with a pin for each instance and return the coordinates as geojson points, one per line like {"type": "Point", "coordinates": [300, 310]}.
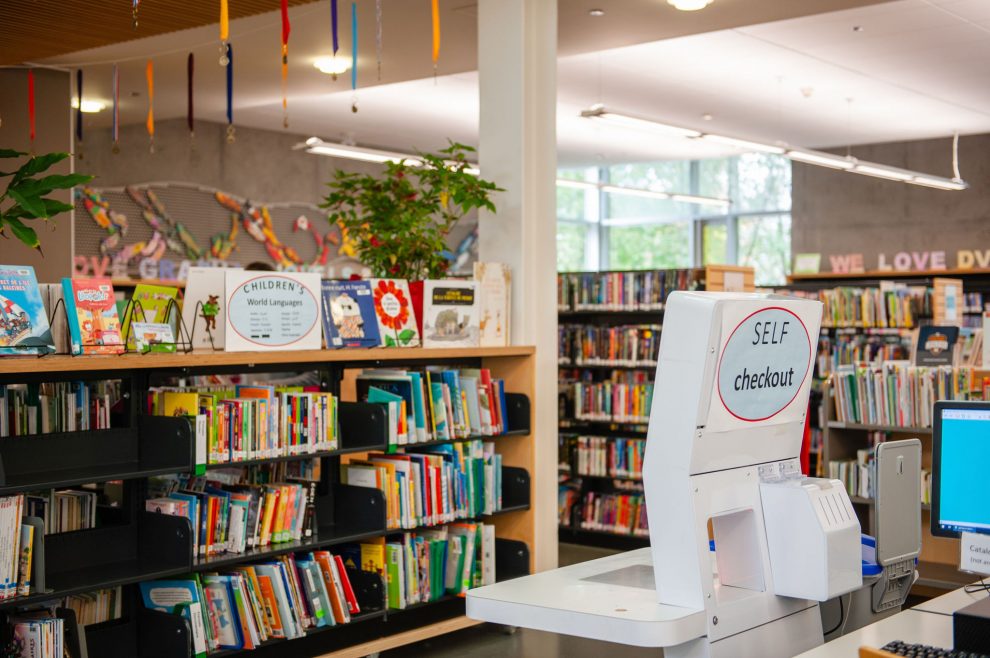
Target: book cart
{"type": "Point", "coordinates": [712, 278]}
{"type": "Point", "coordinates": [131, 545]}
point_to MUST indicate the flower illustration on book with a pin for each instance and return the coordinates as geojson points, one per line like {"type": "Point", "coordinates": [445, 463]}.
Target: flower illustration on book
{"type": "Point", "coordinates": [392, 308]}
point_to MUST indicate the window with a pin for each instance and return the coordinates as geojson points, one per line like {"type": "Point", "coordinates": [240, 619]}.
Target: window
{"type": "Point", "coordinates": [601, 227]}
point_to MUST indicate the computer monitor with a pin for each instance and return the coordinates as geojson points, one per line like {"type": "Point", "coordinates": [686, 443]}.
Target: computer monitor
{"type": "Point", "coordinates": [960, 465]}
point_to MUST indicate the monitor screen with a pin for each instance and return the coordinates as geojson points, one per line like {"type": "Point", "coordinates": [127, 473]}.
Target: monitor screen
{"type": "Point", "coordinates": [961, 456]}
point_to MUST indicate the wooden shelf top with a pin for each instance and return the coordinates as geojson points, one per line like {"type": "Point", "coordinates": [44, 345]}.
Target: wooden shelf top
{"type": "Point", "coordinates": [839, 425]}
{"type": "Point", "coordinates": [885, 274]}
{"type": "Point", "coordinates": [205, 358]}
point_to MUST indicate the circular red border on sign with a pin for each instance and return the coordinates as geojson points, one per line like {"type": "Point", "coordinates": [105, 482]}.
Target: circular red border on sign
{"type": "Point", "coordinates": [274, 275]}
{"type": "Point", "coordinates": [807, 367]}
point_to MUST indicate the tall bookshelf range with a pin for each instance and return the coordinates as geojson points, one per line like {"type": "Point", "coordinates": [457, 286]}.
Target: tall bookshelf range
{"type": "Point", "coordinates": [712, 277]}
{"type": "Point", "coordinates": [131, 545]}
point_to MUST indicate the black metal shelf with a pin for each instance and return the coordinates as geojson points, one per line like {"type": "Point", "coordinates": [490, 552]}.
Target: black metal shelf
{"type": "Point", "coordinates": [601, 539]}
{"type": "Point", "coordinates": [603, 366]}
{"type": "Point", "coordinates": [616, 430]}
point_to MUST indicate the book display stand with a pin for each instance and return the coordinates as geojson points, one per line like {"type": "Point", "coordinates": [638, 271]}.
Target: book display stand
{"type": "Point", "coordinates": [130, 545]}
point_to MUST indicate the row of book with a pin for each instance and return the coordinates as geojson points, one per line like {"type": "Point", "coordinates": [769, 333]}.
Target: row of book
{"type": "Point", "coordinates": [611, 401]}
{"type": "Point", "coordinates": [623, 291]}
{"type": "Point", "coordinates": [36, 634]}
{"type": "Point", "coordinates": [64, 510]}
{"type": "Point", "coordinates": [443, 483]}
{"type": "Point", "coordinates": [232, 512]}
{"type": "Point", "coordinates": [896, 392]}
{"type": "Point", "coordinates": [607, 457]}
{"type": "Point", "coordinates": [247, 605]}
{"type": "Point", "coordinates": [245, 422]}
{"type": "Point", "coordinates": [625, 345]}
{"type": "Point", "coordinates": [370, 313]}
{"type": "Point", "coordinates": [427, 565]}
{"type": "Point", "coordinates": [614, 512]}
{"type": "Point", "coordinates": [843, 348]}
{"type": "Point", "coordinates": [858, 476]}
{"type": "Point", "coordinates": [889, 305]}
{"type": "Point", "coordinates": [19, 535]}
{"type": "Point", "coordinates": [95, 607]}
{"type": "Point", "coordinates": [57, 406]}
{"type": "Point", "coordinates": [437, 404]}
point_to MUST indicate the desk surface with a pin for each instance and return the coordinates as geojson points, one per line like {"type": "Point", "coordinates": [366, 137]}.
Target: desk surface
{"type": "Point", "coordinates": [909, 626]}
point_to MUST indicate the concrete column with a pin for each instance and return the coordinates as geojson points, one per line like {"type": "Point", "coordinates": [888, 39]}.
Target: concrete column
{"type": "Point", "coordinates": [517, 64]}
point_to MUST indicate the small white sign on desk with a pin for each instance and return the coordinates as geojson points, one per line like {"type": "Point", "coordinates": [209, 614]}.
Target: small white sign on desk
{"type": "Point", "coordinates": [974, 553]}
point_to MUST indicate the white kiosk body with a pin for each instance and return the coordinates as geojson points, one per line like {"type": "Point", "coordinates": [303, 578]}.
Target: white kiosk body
{"type": "Point", "coordinates": [726, 425]}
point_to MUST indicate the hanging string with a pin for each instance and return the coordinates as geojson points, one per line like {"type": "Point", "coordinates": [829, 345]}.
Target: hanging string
{"type": "Point", "coordinates": [436, 35]}
{"type": "Point", "coordinates": [224, 34]}
{"type": "Point", "coordinates": [333, 32]}
{"type": "Point", "coordinates": [378, 36]}
{"type": "Point", "coordinates": [79, 114]}
{"type": "Point", "coordinates": [31, 107]}
{"type": "Point", "coordinates": [230, 92]}
{"type": "Point", "coordinates": [150, 123]}
{"type": "Point", "coordinates": [354, 53]}
{"type": "Point", "coordinates": [190, 67]}
{"type": "Point", "coordinates": [116, 110]}
{"type": "Point", "coordinates": [134, 11]}
{"type": "Point", "coordinates": [955, 157]}
{"type": "Point", "coordinates": [286, 28]}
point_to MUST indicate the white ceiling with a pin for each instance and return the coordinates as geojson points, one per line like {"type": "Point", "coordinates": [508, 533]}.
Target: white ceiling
{"type": "Point", "coordinates": [916, 69]}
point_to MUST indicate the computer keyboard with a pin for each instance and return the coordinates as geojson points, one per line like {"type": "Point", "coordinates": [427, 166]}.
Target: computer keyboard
{"type": "Point", "coordinates": [909, 650]}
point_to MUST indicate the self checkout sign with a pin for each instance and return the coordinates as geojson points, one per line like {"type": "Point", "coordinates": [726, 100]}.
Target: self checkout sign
{"type": "Point", "coordinates": [763, 364]}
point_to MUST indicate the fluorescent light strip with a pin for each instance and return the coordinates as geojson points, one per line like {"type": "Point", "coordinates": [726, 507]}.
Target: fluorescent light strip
{"type": "Point", "coordinates": [703, 200]}
{"type": "Point", "coordinates": [319, 147]}
{"type": "Point", "coordinates": [576, 184]}
{"type": "Point", "coordinates": [819, 158]}
{"type": "Point", "coordinates": [634, 191]}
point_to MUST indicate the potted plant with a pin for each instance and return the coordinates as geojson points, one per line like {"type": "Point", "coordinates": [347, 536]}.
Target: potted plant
{"type": "Point", "coordinates": [399, 220]}
{"type": "Point", "coordinates": [27, 193]}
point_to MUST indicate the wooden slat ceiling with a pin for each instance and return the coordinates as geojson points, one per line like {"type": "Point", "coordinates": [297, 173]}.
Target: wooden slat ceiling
{"type": "Point", "coordinates": [31, 30]}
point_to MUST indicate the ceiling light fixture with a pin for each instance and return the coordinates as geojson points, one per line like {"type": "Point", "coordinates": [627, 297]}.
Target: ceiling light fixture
{"type": "Point", "coordinates": [89, 106]}
{"type": "Point", "coordinates": [319, 147]}
{"type": "Point", "coordinates": [332, 65]}
{"type": "Point", "coordinates": [689, 5]}
{"type": "Point", "coordinates": [635, 191]}
{"type": "Point", "coordinates": [809, 156]}
{"type": "Point", "coordinates": [576, 184]}
{"type": "Point", "coordinates": [596, 12]}
{"type": "Point", "coordinates": [702, 200]}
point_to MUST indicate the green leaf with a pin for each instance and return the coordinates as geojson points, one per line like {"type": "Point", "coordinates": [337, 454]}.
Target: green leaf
{"type": "Point", "coordinates": [25, 234]}
{"type": "Point", "coordinates": [54, 207]}
{"type": "Point", "coordinates": [15, 211]}
{"type": "Point", "coordinates": [39, 163]}
{"type": "Point", "coordinates": [30, 203]}
{"type": "Point", "coordinates": [42, 186]}
{"type": "Point", "coordinates": [389, 341]}
{"type": "Point", "coordinates": [406, 335]}
{"type": "Point", "coordinates": [11, 153]}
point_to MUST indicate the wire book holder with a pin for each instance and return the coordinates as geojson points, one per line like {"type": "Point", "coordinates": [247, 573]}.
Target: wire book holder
{"type": "Point", "coordinates": [171, 308]}
{"type": "Point", "coordinates": [197, 314]}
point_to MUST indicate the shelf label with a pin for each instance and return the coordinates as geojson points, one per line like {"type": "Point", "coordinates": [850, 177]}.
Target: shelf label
{"type": "Point", "coordinates": [274, 311]}
{"type": "Point", "coordinates": [764, 364]}
{"type": "Point", "coordinates": [974, 553]}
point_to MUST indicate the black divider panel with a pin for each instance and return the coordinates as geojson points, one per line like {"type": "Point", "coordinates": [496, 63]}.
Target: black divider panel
{"type": "Point", "coordinates": [363, 425]}
{"type": "Point", "coordinates": [515, 488]}
{"type": "Point", "coordinates": [511, 559]}
{"type": "Point", "coordinates": [369, 590]}
{"type": "Point", "coordinates": [148, 634]}
{"type": "Point", "coordinates": [350, 511]}
{"type": "Point", "coordinates": [157, 445]}
{"type": "Point", "coordinates": [519, 415]}
{"type": "Point", "coordinates": [72, 638]}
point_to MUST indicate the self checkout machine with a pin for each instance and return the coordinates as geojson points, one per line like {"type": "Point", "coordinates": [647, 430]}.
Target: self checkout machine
{"type": "Point", "coordinates": [726, 426]}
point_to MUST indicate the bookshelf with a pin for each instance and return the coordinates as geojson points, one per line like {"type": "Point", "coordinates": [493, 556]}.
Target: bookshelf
{"type": "Point", "coordinates": [939, 559]}
{"type": "Point", "coordinates": [599, 312]}
{"type": "Point", "coordinates": [130, 545]}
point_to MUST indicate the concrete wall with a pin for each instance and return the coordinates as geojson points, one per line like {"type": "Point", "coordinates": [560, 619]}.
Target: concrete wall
{"type": "Point", "coordinates": [53, 132]}
{"type": "Point", "coordinates": [835, 212]}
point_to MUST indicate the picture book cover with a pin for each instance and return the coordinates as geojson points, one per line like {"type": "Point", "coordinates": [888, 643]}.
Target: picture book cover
{"type": "Point", "coordinates": [23, 321]}
{"type": "Point", "coordinates": [349, 315]}
{"type": "Point", "coordinates": [93, 321]}
{"type": "Point", "coordinates": [936, 346]}
{"type": "Point", "coordinates": [495, 289]}
{"type": "Point", "coordinates": [179, 597]}
{"type": "Point", "coordinates": [153, 337]}
{"type": "Point", "coordinates": [150, 304]}
{"type": "Point", "coordinates": [272, 311]}
{"type": "Point", "coordinates": [450, 313]}
{"type": "Point", "coordinates": [203, 312]}
{"type": "Point", "coordinates": [395, 313]}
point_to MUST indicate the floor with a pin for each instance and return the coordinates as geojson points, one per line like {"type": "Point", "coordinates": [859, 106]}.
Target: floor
{"type": "Point", "coordinates": [490, 641]}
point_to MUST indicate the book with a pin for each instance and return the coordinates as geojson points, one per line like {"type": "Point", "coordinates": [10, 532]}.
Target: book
{"type": "Point", "coordinates": [394, 312]}
{"type": "Point", "coordinates": [936, 346]}
{"type": "Point", "coordinates": [450, 313]}
{"type": "Point", "coordinates": [349, 318]}
{"type": "Point", "coordinates": [203, 307]}
{"type": "Point", "coordinates": [150, 304]}
{"type": "Point", "coordinates": [24, 325]}
{"type": "Point", "coordinates": [179, 597]}
{"type": "Point", "coordinates": [92, 313]}
{"type": "Point", "coordinates": [152, 337]}
{"type": "Point", "coordinates": [495, 289]}
{"type": "Point", "coordinates": [272, 311]}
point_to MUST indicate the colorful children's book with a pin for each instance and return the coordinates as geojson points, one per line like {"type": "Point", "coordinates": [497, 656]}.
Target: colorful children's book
{"type": "Point", "coordinates": [23, 322]}
{"type": "Point", "coordinates": [93, 321]}
{"type": "Point", "coordinates": [349, 315]}
{"type": "Point", "coordinates": [450, 313]}
{"type": "Point", "coordinates": [203, 308]}
{"type": "Point", "coordinates": [152, 336]}
{"type": "Point", "coordinates": [395, 313]}
{"type": "Point", "coordinates": [156, 304]}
